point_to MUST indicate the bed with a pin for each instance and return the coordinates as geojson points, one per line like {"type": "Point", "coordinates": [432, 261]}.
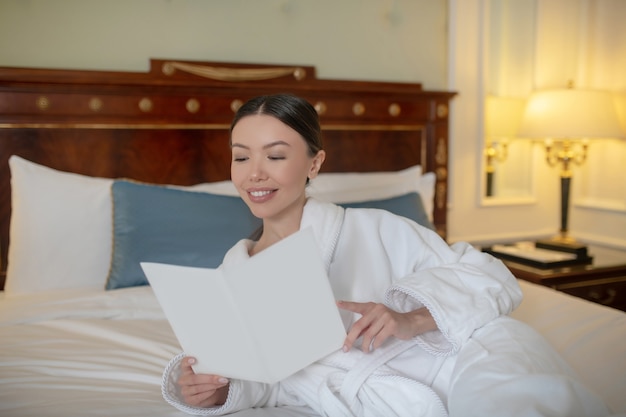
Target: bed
{"type": "Point", "coordinates": [101, 169]}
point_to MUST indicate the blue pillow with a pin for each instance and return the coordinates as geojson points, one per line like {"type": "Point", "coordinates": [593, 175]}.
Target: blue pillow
{"type": "Point", "coordinates": [157, 224]}
{"type": "Point", "coordinates": [408, 205]}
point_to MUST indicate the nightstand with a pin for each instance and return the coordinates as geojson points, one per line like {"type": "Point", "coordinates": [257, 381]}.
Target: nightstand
{"type": "Point", "coordinates": [603, 281]}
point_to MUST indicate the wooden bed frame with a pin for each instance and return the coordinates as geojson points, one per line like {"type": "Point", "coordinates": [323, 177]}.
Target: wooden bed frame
{"type": "Point", "coordinates": [170, 125]}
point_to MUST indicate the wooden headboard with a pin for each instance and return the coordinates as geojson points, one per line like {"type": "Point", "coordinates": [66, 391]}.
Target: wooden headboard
{"type": "Point", "coordinates": [170, 125]}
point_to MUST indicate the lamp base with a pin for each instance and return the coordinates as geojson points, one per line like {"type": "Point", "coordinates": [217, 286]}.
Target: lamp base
{"type": "Point", "coordinates": [564, 243]}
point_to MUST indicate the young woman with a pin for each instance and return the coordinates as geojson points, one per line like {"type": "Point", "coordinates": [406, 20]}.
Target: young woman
{"type": "Point", "coordinates": [427, 332]}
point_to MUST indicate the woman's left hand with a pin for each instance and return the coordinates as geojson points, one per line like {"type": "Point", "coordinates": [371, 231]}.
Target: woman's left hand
{"type": "Point", "coordinates": [378, 323]}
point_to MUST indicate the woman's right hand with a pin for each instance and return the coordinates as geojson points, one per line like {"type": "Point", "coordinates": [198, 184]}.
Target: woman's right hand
{"type": "Point", "coordinates": [201, 390]}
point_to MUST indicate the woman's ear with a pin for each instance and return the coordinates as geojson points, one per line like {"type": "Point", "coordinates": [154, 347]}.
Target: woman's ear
{"type": "Point", "coordinates": [318, 160]}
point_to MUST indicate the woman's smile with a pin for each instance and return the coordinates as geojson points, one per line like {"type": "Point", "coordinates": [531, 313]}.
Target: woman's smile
{"type": "Point", "coordinates": [259, 196]}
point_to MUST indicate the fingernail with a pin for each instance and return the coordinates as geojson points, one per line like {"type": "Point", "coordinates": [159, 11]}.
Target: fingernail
{"type": "Point", "coordinates": [223, 381]}
{"type": "Point", "coordinates": [345, 348]}
{"type": "Point", "coordinates": [191, 361]}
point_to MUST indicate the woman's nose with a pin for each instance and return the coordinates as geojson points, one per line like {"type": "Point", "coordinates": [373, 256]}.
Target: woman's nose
{"type": "Point", "coordinates": [257, 173]}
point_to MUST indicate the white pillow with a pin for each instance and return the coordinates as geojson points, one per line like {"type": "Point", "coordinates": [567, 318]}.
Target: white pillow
{"type": "Point", "coordinates": [357, 187]}
{"type": "Point", "coordinates": [353, 187]}
{"type": "Point", "coordinates": [218, 187]}
{"type": "Point", "coordinates": [61, 229]}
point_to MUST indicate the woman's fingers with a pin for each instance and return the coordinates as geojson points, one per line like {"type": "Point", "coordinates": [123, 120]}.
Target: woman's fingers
{"type": "Point", "coordinates": [381, 326]}
{"type": "Point", "coordinates": [369, 326]}
{"type": "Point", "coordinates": [201, 390]}
{"type": "Point", "coordinates": [376, 324]}
{"type": "Point", "coordinates": [186, 363]}
{"type": "Point", "coordinates": [357, 328]}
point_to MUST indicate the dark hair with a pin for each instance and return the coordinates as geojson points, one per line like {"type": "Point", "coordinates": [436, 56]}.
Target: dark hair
{"type": "Point", "coordinates": [292, 110]}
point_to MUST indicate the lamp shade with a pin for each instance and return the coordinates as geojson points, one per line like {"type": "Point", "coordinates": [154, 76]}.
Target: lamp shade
{"type": "Point", "coordinates": [503, 116]}
{"type": "Point", "coordinates": [570, 113]}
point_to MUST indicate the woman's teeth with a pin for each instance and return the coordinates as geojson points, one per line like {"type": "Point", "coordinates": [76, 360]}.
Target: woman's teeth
{"type": "Point", "coordinates": [259, 193]}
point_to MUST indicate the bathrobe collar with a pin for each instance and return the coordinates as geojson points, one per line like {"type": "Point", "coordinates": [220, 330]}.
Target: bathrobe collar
{"type": "Point", "coordinates": [325, 219]}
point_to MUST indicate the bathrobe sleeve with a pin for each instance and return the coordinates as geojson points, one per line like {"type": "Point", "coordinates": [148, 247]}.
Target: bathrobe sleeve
{"type": "Point", "coordinates": [462, 287]}
{"type": "Point", "coordinates": [241, 394]}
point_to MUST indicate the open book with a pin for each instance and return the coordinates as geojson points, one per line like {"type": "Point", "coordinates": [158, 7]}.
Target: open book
{"type": "Point", "coordinates": [260, 320]}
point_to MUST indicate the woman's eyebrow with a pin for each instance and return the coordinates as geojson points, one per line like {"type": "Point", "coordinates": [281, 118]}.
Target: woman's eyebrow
{"type": "Point", "coordinates": [275, 143]}
{"type": "Point", "coordinates": [269, 145]}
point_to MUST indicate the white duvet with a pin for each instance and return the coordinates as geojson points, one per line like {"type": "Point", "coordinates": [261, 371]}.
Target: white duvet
{"type": "Point", "coordinates": [86, 353]}
{"type": "Point", "coordinates": [97, 353]}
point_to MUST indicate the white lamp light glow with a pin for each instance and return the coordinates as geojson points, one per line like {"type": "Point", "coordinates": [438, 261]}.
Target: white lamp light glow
{"type": "Point", "coordinates": [502, 120]}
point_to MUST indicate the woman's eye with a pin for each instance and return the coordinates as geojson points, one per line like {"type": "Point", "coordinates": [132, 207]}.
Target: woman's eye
{"type": "Point", "coordinates": [239, 158]}
{"type": "Point", "coordinates": [275, 157]}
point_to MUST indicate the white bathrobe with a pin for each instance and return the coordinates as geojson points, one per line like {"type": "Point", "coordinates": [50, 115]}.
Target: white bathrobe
{"type": "Point", "coordinates": [478, 363]}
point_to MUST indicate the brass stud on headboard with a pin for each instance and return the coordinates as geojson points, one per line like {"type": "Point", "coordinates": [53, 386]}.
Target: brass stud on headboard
{"type": "Point", "coordinates": [394, 109]}
{"type": "Point", "coordinates": [168, 69]}
{"type": "Point", "coordinates": [192, 105]}
{"type": "Point", "coordinates": [299, 74]}
{"type": "Point", "coordinates": [43, 103]}
{"type": "Point", "coordinates": [320, 107]}
{"type": "Point", "coordinates": [95, 104]}
{"type": "Point", "coordinates": [235, 104]}
{"type": "Point", "coordinates": [358, 109]}
{"type": "Point", "coordinates": [145, 105]}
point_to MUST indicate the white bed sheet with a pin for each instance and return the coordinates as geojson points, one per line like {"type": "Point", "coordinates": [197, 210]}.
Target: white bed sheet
{"type": "Point", "coordinates": [97, 353]}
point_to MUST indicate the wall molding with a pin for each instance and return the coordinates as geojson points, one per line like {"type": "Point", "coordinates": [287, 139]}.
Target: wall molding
{"type": "Point", "coordinates": [601, 204]}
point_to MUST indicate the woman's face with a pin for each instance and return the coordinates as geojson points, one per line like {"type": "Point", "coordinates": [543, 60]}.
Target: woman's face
{"type": "Point", "coordinates": [270, 165]}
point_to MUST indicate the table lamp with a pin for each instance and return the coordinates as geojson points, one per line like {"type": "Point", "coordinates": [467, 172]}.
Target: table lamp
{"type": "Point", "coordinates": [566, 119]}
